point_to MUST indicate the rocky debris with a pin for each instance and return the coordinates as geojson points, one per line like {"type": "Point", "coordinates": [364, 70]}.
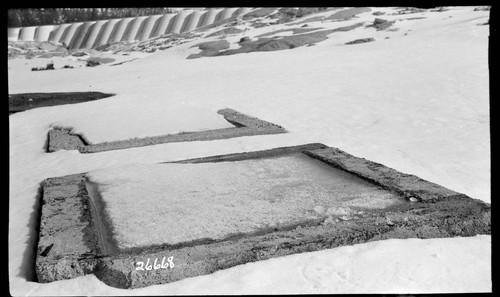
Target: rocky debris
{"type": "Point", "coordinates": [225, 31]}
{"type": "Point", "coordinates": [304, 30]}
{"type": "Point", "coordinates": [33, 49]}
{"type": "Point", "coordinates": [347, 14]}
{"type": "Point", "coordinates": [80, 54]}
{"type": "Point", "coordinates": [483, 8]}
{"type": "Point", "coordinates": [50, 66]}
{"type": "Point", "coordinates": [377, 13]}
{"type": "Point", "coordinates": [309, 20]}
{"type": "Point", "coordinates": [278, 43]}
{"type": "Point", "coordinates": [209, 48]}
{"type": "Point", "coordinates": [259, 13]}
{"type": "Point", "coordinates": [101, 60]}
{"type": "Point", "coordinates": [361, 40]}
{"type": "Point", "coordinates": [282, 15]}
{"type": "Point", "coordinates": [288, 14]}
{"type": "Point", "coordinates": [294, 30]}
{"type": "Point", "coordinates": [381, 24]}
{"type": "Point", "coordinates": [408, 10]}
{"type": "Point", "coordinates": [51, 55]}
{"type": "Point", "coordinates": [92, 63]}
{"type": "Point", "coordinates": [285, 15]}
{"type": "Point", "coordinates": [439, 9]}
{"type": "Point", "coordinates": [244, 39]}
{"type": "Point", "coordinates": [258, 24]}
{"type": "Point", "coordinates": [213, 45]}
{"type": "Point", "coordinates": [159, 43]}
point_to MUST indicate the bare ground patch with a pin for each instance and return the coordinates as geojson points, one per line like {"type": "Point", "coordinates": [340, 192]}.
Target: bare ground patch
{"type": "Point", "coordinates": [275, 43]}
{"type": "Point", "coordinates": [25, 101]}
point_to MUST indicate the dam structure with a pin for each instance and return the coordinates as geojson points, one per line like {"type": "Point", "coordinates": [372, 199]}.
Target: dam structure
{"type": "Point", "coordinates": [85, 35]}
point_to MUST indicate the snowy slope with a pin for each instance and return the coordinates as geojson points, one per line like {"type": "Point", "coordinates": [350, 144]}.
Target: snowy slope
{"type": "Point", "coordinates": [417, 103]}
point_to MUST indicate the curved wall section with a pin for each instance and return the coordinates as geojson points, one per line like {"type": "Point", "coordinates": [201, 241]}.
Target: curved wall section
{"type": "Point", "coordinates": [105, 33]}
{"type": "Point", "coordinates": [147, 27]}
{"type": "Point", "coordinates": [228, 12]}
{"type": "Point", "coordinates": [133, 28]}
{"type": "Point", "coordinates": [69, 33]}
{"type": "Point", "coordinates": [27, 33]}
{"type": "Point", "coordinates": [209, 17]}
{"type": "Point", "coordinates": [80, 33]}
{"type": "Point", "coordinates": [57, 33]}
{"type": "Point", "coordinates": [162, 25]}
{"type": "Point", "coordinates": [119, 29]}
{"type": "Point", "coordinates": [192, 20]}
{"type": "Point", "coordinates": [178, 22]}
{"type": "Point", "coordinates": [42, 33]}
{"type": "Point", "coordinates": [92, 34]}
{"type": "Point", "coordinates": [13, 34]}
{"type": "Point", "coordinates": [96, 33]}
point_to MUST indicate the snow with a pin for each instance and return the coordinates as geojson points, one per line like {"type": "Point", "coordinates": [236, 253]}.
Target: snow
{"type": "Point", "coordinates": [162, 119]}
{"type": "Point", "coordinates": [417, 103]}
{"type": "Point", "coordinates": [155, 204]}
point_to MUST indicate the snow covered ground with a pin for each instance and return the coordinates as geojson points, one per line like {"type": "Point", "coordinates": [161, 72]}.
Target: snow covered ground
{"type": "Point", "coordinates": [155, 204]}
{"type": "Point", "coordinates": [416, 102]}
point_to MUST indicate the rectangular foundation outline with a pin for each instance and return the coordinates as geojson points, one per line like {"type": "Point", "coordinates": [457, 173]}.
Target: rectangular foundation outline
{"type": "Point", "coordinates": [59, 139]}
{"type": "Point", "coordinates": [432, 212]}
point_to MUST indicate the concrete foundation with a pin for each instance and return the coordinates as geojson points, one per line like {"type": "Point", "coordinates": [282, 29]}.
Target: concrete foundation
{"type": "Point", "coordinates": [72, 240]}
{"type": "Point", "coordinates": [245, 126]}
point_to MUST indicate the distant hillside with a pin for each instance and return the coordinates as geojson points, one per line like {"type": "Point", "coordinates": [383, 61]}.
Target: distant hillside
{"type": "Point", "coordinates": [56, 16]}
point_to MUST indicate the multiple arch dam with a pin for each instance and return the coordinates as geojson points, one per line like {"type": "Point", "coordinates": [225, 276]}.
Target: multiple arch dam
{"type": "Point", "coordinates": [95, 33]}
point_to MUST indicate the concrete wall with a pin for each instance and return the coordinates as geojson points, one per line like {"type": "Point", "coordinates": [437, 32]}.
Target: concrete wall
{"type": "Point", "coordinates": [105, 33]}
{"type": "Point", "coordinates": [178, 22]}
{"type": "Point", "coordinates": [69, 33]}
{"type": "Point", "coordinates": [27, 33]}
{"type": "Point", "coordinates": [119, 29]}
{"type": "Point", "coordinates": [191, 21]}
{"type": "Point", "coordinates": [162, 25]}
{"type": "Point", "coordinates": [92, 34]}
{"type": "Point", "coordinates": [133, 28]}
{"type": "Point", "coordinates": [147, 27]}
{"type": "Point", "coordinates": [210, 15]}
{"type": "Point", "coordinates": [96, 33]}
{"type": "Point", "coordinates": [42, 33]}
{"type": "Point", "coordinates": [57, 33]}
{"type": "Point", "coordinates": [79, 35]}
{"type": "Point", "coordinates": [13, 34]}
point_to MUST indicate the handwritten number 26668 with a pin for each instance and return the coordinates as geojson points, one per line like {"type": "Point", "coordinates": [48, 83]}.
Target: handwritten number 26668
{"type": "Point", "coordinates": [155, 265]}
